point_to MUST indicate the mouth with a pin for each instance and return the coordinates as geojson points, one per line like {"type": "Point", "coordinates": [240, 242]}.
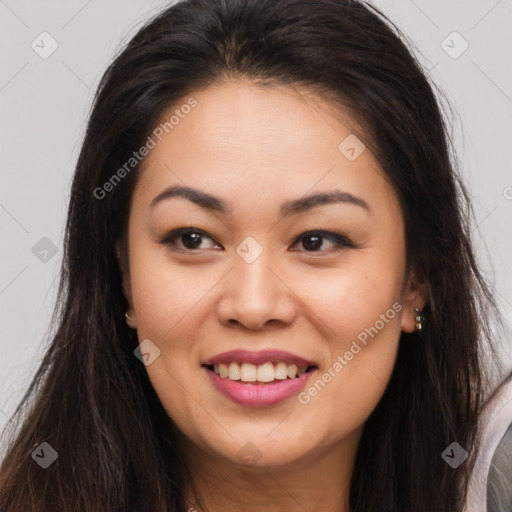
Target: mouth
{"type": "Point", "coordinates": [259, 379]}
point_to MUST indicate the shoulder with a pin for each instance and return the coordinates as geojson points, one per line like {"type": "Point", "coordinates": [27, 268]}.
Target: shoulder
{"type": "Point", "coordinates": [499, 480]}
{"type": "Point", "coordinates": [491, 481]}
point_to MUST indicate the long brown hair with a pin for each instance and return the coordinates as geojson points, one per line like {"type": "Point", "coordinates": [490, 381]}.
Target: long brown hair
{"type": "Point", "coordinates": [91, 399]}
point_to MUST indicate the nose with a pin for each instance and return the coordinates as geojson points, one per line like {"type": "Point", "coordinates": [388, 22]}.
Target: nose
{"type": "Point", "coordinates": [256, 294]}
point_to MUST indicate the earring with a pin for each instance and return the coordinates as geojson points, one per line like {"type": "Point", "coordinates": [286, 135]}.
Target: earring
{"type": "Point", "coordinates": [419, 320]}
{"type": "Point", "coordinates": [128, 317]}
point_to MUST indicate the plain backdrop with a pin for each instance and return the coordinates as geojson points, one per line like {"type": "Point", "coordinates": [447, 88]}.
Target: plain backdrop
{"type": "Point", "coordinates": [465, 44]}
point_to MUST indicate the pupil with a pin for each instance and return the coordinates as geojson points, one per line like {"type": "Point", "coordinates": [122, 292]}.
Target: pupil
{"type": "Point", "coordinates": [195, 237]}
{"type": "Point", "coordinates": [317, 242]}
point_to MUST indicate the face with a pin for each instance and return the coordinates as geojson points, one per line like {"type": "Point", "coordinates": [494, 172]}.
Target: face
{"type": "Point", "coordinates": [263, 267]}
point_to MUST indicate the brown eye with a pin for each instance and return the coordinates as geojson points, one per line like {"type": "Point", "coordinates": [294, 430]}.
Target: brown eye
{"type": "Point", "coordinates": [185, 239]}
{"type": "Point", "coordinates": [313, 241]}
{"type": "Point", "coordinates": [188, 239]}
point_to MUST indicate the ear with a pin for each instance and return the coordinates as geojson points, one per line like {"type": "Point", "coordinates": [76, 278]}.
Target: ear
{"type": "Point", "coordinates": [122, 259]}
{"type": "Point", "coordinates": [414, 296]}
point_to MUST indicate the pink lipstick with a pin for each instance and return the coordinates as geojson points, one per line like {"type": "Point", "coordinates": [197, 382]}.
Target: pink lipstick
{"type": "Point", "coordinates": [259, 379]}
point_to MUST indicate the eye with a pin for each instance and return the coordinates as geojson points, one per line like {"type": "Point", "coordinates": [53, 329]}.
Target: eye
{"type": "Point", "coordinates": [185, 239]}
{"type": "Point", "coordinates": [189, 239]}
{"type": "Point", "coordinates": [313, 241]}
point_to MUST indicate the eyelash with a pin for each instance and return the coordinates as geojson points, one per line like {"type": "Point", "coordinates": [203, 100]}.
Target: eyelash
{"type": "Point", "coordinates": [340, 240]}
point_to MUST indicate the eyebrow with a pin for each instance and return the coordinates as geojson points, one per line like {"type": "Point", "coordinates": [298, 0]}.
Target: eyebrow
{"type": "Point", "coordinates": [292, 207]}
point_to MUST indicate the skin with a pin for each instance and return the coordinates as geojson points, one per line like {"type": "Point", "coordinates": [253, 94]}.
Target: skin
{"type": "Point", "coordinates": [255, 148]}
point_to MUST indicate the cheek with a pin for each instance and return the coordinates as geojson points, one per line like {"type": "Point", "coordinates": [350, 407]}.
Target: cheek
{"type": "Point", "coordinates": [164, 293]}
{"type": "Point", "coordinates": [167, 301]}
{"type": "Point", "coordinates": [362, 354]}
{"type": "Point", "coordinates": [360, 310]}
{"type": "Point", "coordinates": [354, 296]}
{"type": "Point", "coordinates": [359, 376]}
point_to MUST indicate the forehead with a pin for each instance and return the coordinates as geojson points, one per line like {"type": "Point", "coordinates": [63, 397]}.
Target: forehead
{"type": "Point", "coordinates": [274, 140]}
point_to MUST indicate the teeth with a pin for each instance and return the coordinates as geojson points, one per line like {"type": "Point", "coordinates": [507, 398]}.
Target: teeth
{"type": "Point", "coordinates": [281, 371]}
{"type": "Point", "coordinates": [234, 371]}
{"type": "Point", "coordinates": [301, 371]}
{"type": "Point", "coordinates": [247, 372]}
{"type": "Point", "coordinates": [292, 370]}
{"type": "Point", "coordinates": [267, 372]}
{"type": "Point", "coordinates": [223, 370]}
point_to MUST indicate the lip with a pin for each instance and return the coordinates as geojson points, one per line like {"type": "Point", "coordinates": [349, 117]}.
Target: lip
{"type": "Point", "coordinates": [263, 356]}
{"type": "Point", "coordinates": [259, 395]}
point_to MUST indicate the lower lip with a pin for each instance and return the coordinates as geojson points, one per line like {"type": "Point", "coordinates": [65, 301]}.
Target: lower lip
{"type": "Point", "coordinates": [259, 395]}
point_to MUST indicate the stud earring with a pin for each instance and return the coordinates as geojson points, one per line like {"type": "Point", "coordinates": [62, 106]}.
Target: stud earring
{"type": "Point", "coordinates": [419, 320]}
{"type": "Point", "coordinates": [128, 317]}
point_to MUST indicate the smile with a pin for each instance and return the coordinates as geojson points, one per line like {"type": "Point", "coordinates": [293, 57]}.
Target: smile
{"type": "Point", "coordinates": [258, 379]}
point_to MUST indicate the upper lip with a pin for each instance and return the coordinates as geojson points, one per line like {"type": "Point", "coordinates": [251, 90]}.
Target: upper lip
{"type": "Point", "coordinates": [263, 356]}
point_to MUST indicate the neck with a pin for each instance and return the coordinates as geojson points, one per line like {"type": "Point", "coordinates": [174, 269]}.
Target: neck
{"type": "Point", "coordinates": [319, 481]}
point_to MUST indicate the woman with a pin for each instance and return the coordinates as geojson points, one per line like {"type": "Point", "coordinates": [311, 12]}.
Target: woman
{"type": "Point", "coordinates": [269, 297]}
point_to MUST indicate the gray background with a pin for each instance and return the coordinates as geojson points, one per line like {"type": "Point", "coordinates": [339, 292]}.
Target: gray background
{"type": "Point", "coordinates": [44, 105]}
